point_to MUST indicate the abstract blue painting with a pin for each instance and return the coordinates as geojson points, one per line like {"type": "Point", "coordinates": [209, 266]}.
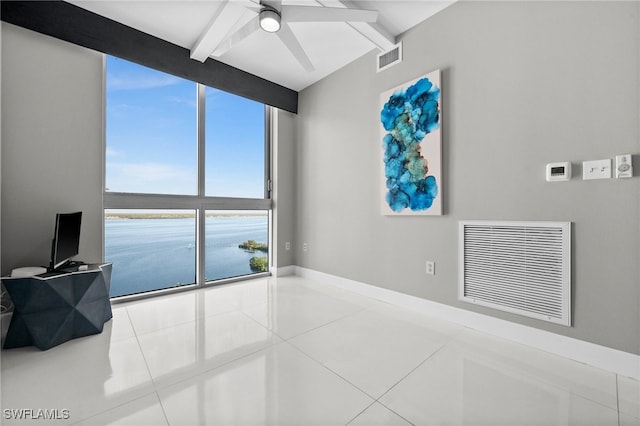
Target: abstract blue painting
{"type": "Point", "coordinates": [410, 118]}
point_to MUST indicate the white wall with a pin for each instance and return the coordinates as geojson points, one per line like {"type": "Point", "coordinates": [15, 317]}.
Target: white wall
{"type": "Point", "coordinates": [524, 84]}
{"type": "Point", "coordinates": [52, 149]}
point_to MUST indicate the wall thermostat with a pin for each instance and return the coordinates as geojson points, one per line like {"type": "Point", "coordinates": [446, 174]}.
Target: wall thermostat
{"type": "Point", "coordinates": [558, 171]}
{"type": "Point", "coordinates": [623, 166]}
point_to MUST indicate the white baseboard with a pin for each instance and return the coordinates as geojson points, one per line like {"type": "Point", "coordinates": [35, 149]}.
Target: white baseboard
{"type": "Point", "coordinates": [284, 271]}
{"type": "Point", "coordinates": [613, 360]}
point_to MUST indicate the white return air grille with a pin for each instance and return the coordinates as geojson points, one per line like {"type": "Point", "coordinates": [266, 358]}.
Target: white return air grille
{"type": "Point", "coordinates": [518, 267]}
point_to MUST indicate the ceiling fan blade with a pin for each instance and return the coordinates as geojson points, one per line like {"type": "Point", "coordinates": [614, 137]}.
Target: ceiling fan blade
{"type": "Point", "coordinates": [327, 14]}
{"type": "Point", "coordinates": [226, 16]}
{"type": "Point", "coordinates": [292, 43]}
{"type": "Point", "coordinates": [243, 32]}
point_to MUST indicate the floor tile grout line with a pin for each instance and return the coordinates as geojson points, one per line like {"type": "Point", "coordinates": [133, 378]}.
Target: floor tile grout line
{"type": "Point", "coordinates": [461, 341]}
{"type": "Point", "coordinates": [198, 317]}
{"type": "Point", "coordinates": [155, 383]}
{"type": "Point", "coordinates": [128, 400]}
{"type": "Point", "coordinates": [360, 413]}
{"type": "Point", "coordinates": [618, 398]}
{"type": "Point", "coordinates": [359, 309]}
{"type": "Point", "coordinates": [396, 413]}
{"type": "Point", "coordinates": [376, 400]}
{"type": "Point", "coordinates": [144, 358]}
{"type": "Point", "coordinates": [265, 327]}
{"type": "Point", "coordinates": [387, 408]}
{"type": "Point", "coordinates": [411, 372]}
{"type": "Point", "coordinates": [635, 416]}
{"type": "Point", "coordinates": [383, 405]}
{"type": "Point", "coordinates": [320, 326]}
{"type": "Point", "coordinates": [336, 297]}
{"type": "Point", "coordinates": [309, 330]}
{"type": "Point", "coordinates": [164, 412]}
{"type": "Point", "coordinates": [159, 386]}
{"type": "Point", "coordinates": [407, 375]}
{"type": "Point", "coordinates": [321, 364]}
{"type": "Point", "coordinates": [115, 407]}
{"type": "Point", "coordinates": [291, 345]}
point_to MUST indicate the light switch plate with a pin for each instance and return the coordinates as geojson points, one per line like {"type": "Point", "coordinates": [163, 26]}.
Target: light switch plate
{"type": "Point", "coordinates": [596, 169]}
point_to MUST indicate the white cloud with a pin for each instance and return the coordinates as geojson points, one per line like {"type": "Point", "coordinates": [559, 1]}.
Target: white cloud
{"type": "Point", "coordinates": [184, 101]}
{"type": "Point", "coordinates": [111, 153]}
{"type": "Point", "coordinates": [156, 178]}
{"type": "Point", "coordinates": [140, 81]}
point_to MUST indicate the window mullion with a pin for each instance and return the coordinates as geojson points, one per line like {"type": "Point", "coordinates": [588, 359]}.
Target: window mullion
{"type": "Point", "coordinates": [201, 94]}
{"type": "Point", "coordinates": [200, 246]}
{"type": "Point", "coordinates": [201, 216]}
{"type": "Point", "coordinates": [268, 135]}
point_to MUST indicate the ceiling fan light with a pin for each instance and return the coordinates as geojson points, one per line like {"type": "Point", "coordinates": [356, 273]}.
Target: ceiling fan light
{"type": "Point", "coordinates": [269, 20]}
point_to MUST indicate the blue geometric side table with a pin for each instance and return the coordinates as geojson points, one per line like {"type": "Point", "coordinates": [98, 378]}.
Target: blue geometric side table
{"type": "Point", "coordinates": [52, 308]}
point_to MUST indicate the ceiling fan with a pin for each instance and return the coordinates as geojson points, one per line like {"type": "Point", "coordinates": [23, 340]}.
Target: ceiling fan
{"type": "Point", "coordinates": [229, 26]}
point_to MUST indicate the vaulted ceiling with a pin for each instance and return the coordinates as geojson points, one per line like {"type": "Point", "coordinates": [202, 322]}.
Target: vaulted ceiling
{"type": "Point", "coordinates": [204, 28]}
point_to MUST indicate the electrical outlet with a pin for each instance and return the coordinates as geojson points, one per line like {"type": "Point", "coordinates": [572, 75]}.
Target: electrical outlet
{"type": "Point", "coordinates": [304, 246]}
{"type": "Point", "coordinates": [287, 246]}
{"type": "Point", "coordinates": [431, 267]}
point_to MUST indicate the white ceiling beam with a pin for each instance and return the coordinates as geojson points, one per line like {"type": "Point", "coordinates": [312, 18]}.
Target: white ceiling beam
{"type": "Point", "coordinates": [237, 36]}
{"type": "Point", "coordinates": [327, 14]}
{"type": "Point", "coordinates": [376, 33]}
{"type": "Point", "coordinates": [223, 20]}
{"type": "Point", "coordinates": [373, 31]}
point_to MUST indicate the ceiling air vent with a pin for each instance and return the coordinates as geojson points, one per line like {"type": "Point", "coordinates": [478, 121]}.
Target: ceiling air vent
{"type": "Point", "coordinates": [389, 58]}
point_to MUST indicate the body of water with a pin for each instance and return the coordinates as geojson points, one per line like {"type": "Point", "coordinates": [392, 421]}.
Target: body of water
{"type": "Point", "coordinates": [152, 254]}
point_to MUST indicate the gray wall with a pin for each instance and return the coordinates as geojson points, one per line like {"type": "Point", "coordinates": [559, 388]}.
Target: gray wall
{"type": "Point", "coordinates": [283, 155]}
{"type": "Point", "coordinates": [52, 114]}
{"type": "Point", "coordinates": [524, 84]}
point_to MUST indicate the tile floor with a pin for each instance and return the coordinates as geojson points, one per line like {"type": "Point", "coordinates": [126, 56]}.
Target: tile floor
{"type": "Point", "coordinates": [287, 351]}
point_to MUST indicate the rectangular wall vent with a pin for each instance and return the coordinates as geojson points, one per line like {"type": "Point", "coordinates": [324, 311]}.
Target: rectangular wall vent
{"type": "Point", "coordinates": [389, 58]}
{"type": "Point", "coordinates": [517, 267]}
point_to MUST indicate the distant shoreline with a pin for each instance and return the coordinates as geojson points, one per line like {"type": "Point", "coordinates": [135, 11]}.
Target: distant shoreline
{"type": "Point", "coordinates": [113, 216]}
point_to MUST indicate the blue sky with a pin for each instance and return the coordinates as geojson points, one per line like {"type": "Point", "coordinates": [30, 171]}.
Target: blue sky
{"type": "Point", "coordinates": [151, 136]}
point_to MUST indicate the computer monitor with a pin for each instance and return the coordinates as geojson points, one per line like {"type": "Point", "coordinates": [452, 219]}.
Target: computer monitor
{"type": "Point", "coordinates": [66, 240]}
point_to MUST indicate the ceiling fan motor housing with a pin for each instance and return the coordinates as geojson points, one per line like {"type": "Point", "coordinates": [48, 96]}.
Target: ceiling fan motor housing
{"type": "Point", "coordinates": [269, 19]}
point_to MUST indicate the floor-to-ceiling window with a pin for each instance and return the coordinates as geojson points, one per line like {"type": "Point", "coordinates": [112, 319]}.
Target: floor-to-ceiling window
{"type": "Point", "coordinates": [187, 182]}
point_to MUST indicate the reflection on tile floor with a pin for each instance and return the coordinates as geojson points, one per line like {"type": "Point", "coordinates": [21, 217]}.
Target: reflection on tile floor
{"type": "Point", "coordinates": [287, 351]}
